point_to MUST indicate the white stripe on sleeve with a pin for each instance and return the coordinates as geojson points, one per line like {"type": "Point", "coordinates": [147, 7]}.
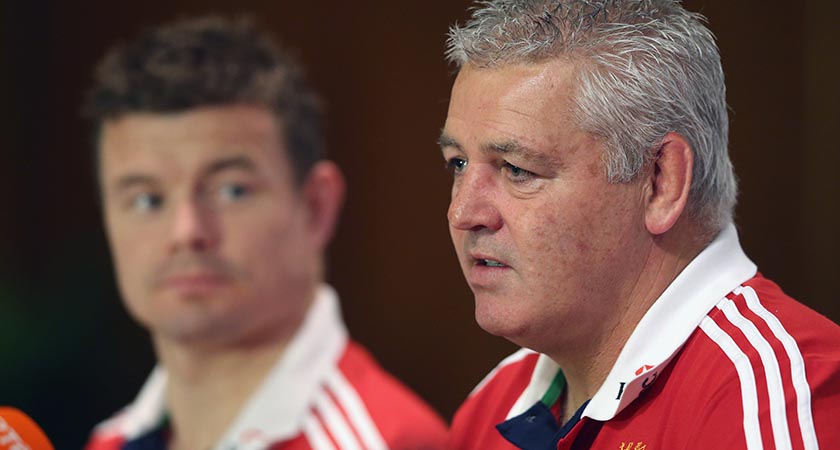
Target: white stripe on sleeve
{"type": "Point", "coordinates": [352, 404]}
{"type": "Point", "coordinates": [772, 373]}
{"type": "Point", "coordinates": [797, 366]}
{"type": "Point", "coordinates": [749, 395]}
{"type": "Point", "coordinates": [315, 433]}
{"type": "Point", "coordinates": [338, 427]}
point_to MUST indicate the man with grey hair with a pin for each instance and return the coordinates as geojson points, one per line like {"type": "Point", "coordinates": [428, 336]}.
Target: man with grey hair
{"type": "Point", "coordinates": [591, 213]}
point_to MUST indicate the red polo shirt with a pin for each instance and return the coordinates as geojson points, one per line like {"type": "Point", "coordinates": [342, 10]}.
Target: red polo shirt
{"type": "Point", "coordinates": [722, 360]}
{"type": "Point", "coordinates": [325, 392]}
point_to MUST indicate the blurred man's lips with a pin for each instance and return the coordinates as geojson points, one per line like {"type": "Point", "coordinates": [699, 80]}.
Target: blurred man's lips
{"type": "Point", "coordinates": [194, 283]}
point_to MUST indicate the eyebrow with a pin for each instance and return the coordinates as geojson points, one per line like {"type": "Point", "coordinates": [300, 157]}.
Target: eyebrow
{"type": "Point", "coordinates": [446, 140]}
{"type": "Point", "coordinates": [514, 147]}
{"type": "Point", "coordinates": [508, 147]}
{"type": "Point", "coordinates": [128, 181]}
{"type": "Point", "coordinates": [234, 162]}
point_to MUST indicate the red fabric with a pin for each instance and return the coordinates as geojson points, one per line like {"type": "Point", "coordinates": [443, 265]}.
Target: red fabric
{"type": "Point", "coordinates": [697, 400]}
{"type": "Point", "coordinates": [99, 442]}
{"type": "Point", "coordinates": [474, 424]}
{"type": "Point", "coordinates": [404, 421]}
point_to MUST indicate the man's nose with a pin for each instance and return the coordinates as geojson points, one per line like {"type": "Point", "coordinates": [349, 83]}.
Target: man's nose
{"type": "Point", "coordinates": [195, 227]}
{"type": "Point", "coordinates": [474, 201]}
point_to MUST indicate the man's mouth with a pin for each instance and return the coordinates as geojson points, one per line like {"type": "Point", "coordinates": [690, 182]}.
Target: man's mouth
{"type": "Point", "coordinates": [489, 263]}
{"type": "Point", "coordinates": [194, 282]}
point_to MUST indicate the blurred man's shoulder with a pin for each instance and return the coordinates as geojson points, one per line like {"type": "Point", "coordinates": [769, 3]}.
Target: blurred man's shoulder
{"type": "Point", "coordinates": [380, 407]}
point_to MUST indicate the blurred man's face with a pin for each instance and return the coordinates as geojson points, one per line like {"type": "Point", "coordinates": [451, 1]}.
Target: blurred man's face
{"type": "Point", "coordinates": [208, 232]}
{"type": "Point", "coordinates": [546, 243]}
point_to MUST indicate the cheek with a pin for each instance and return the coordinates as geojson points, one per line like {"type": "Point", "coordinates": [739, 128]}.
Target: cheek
{"type": "Point", "coordinates": [134, 264]}
{"type": "Point", "coordinates": [547, 229]}
{"type": "Point", "coordinates": [557, 243]}
{"type": "Point", "coordinates": [130, 254]}
{"type": "Point", "coordinates": [269, 245]}
{"type": "Point", "coordinates": [539, 242]}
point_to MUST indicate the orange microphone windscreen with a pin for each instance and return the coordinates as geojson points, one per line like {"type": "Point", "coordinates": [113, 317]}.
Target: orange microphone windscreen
{"type": "Point", "coordinates": [19, 432]}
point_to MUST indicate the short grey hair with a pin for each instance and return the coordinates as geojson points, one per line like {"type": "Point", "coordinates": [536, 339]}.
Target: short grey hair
{"type": "Point", "coordinates": [646, 68]}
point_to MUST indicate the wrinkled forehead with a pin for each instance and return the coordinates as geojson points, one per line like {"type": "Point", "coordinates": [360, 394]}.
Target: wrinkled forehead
{"type": "Point", "coordinates": [525, 101]}
{"type": "Point", "coordinates": [550, 84]}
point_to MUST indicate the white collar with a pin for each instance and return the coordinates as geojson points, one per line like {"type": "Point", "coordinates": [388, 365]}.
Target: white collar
{"type": "Point", "coordinates": [275, 410]}
{"type": "Point", "coordinates": [721, 267]}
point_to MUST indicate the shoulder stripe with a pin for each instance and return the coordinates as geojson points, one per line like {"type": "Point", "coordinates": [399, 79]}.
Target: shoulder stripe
{"type": "Point", "coordinates": [797, 366]}
{"type": "Point", "coordinates": [335, 422]}
{"type": "Point", "coordinates": [773, 375]}
{"type": "Point", "coordinates": [351, 402]}
{"type": "Point", "coordinates": [749, 394]}
{"type": "Point", "coordinates": [514, 357]}
{"type": "Point", "coordinates": [315, 433]}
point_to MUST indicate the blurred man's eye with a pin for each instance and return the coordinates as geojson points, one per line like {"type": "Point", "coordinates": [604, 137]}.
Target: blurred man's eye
{"type": "Point", "coordinates": [233, 191]}
{"type": "Point", "coordinates": [147, 202]}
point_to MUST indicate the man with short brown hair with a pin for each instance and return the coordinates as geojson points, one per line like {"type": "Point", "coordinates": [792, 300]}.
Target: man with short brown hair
{"type": "Point", "coordinates": [219, 205]}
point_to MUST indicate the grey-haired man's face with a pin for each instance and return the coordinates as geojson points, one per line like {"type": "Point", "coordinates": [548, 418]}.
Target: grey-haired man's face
{"type": "Point", "coordinates": [544, 240]}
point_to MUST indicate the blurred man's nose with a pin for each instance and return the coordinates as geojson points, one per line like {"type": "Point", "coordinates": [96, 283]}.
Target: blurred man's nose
{"type": "Point", "coordinates": [195, 227]}
{"type": "Point", "coordinates": [473, 206]}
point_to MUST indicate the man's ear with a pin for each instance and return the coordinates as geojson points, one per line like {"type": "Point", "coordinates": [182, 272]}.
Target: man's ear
{"type": "Point", "coordinates": [669, 183]}
{"type": "Point", "coordinates": [323, 192]}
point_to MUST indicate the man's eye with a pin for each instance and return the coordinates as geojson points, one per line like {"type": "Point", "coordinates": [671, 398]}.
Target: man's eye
{"type": "Point", "coordinates": [233, 191]}
{"type": "Point", "coordinates": [517, 174]}
{"type": "Point", "coordinates": [456, 165]}
{"type": "Point", "coordinates": [147, 202]}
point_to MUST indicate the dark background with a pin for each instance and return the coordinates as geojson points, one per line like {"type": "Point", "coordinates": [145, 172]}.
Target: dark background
{"type": "Point", "coordinates": [69, 354]}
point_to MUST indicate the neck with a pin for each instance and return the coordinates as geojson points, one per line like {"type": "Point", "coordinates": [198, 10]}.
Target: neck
{"type": "Point", "coordinates": [586, 364]}
{"type": "Point", "coordinates": [208, 388]}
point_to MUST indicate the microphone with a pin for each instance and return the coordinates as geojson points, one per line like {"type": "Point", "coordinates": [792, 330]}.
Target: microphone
{"type": "Point", "coordinates": [19, 432]}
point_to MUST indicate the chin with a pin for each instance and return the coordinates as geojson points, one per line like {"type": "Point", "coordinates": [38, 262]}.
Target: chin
{"type": "Point", "coordinates": [500, 319]}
